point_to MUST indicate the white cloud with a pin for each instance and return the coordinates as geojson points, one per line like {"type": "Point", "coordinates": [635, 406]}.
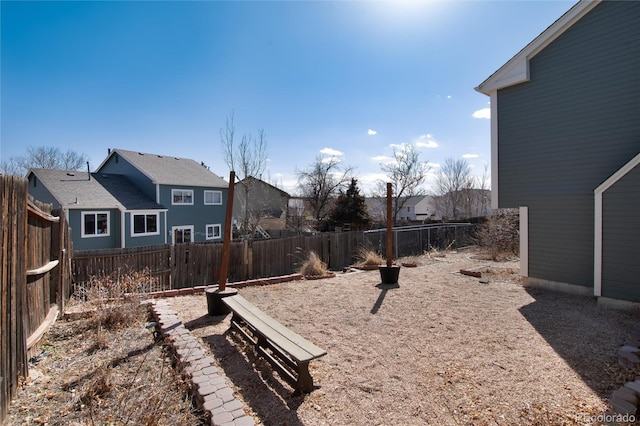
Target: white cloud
{"type": "Point", "coordinates": [380, 158]}
{"type": "Point", "coordinates": [371, 132]}
{"type": "Point", "coordinates": [483, 113]}
{"type": "Point", "coordinates": [331, 159]}
{"type": "Point", "coordinates": [426, 141]}
{"type": "Point", "coordinates": [332, 152]}
{"type": "Point", "coordinates": [470, 156]}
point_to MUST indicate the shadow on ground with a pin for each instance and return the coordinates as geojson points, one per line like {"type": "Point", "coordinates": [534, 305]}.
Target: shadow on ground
{"type": "Point", "coordinates": [271, 400]}
{"type": "Point", "coordinates": [585, 335]}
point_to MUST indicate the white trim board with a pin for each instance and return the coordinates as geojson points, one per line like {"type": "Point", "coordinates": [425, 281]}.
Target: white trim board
{"type": "Point", "coordinates": [524, 241]}
{"type": "Point", "coordinates": [597, 242]}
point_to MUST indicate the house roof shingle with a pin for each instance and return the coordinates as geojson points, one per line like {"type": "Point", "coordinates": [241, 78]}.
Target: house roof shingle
{"type": "Point", "coordinates": [168, 170]}
{"type": "Point", "coordinates": [96, 190]}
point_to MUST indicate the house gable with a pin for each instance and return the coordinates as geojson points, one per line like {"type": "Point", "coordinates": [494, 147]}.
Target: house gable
{"type": "Point", "coordinates": [564, 129]}
{"type": "Point", "coordinates": [516, 70]}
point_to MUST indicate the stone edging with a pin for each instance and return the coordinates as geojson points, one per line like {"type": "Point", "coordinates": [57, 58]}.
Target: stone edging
{"type": "Point", "coordinates": [210, 388]}
{"type": "Point", "coordinates": [625, 400]}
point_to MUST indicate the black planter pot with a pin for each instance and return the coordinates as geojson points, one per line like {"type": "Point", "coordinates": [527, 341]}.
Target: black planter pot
{"type": "Point", "coordinates": [214, 300]}
{"type": "Point", "coordinates": [389, 274]}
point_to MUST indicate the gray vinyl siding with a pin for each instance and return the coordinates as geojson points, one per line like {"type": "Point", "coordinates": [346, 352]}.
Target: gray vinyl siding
{"type": "Point", "coordinates": [146, 240]}
{"type": "Point", "coordinates": [621, 238]}
{"type": "Point", "coordinates": [567, 130]}
{"type": "Point", "coordinates": [199, 215]}
{"type": "Point", "coordinates": [38, 191]}
{"type": "Point", "coordinates": [95, 243]}
{"type": "Point", "coordinates": [561, 239]}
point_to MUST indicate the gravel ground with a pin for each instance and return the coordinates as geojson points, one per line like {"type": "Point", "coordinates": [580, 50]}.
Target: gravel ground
{"type": "Point", "coordinates": [442, 348]}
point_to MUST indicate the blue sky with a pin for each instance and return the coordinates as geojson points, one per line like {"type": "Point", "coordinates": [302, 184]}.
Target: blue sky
{"type": "Point", "coordinates": [346, 79]}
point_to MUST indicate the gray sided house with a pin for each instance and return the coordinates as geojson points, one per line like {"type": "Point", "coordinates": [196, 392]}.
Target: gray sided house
{"type": "Point", "coordinates": [565, 138]}
{"type": "Point", "coordinates": [260, 204]}
{"type": "Point", "coordinates": [103, 210]}
{"type": "Point", "coordinates": [195, 198]}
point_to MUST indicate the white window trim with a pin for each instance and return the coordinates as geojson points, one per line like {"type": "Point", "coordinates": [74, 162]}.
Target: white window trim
{"type": "Point", "coordinates": [173, 191]}
{"type": "Point", "coordinates": [213, 226]}
{"type": "Point", "coordinates": [94, 213]}
{"type": "Point", "coordinates": [145, 213]}
{"type": "Point", "coordinates": [182, 227]}
{"type": "Point", "coordinates": [213, 192]}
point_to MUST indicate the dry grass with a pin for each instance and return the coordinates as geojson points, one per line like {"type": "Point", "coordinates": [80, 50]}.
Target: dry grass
{"type": "Point", "coordinates": [104, 367]}
{"type": "Point", "coordinates": [368, 258]}
{"type": "Point", "coordinates": [442, 348]}
{"type": "Point", "coordinates": [313, 266]}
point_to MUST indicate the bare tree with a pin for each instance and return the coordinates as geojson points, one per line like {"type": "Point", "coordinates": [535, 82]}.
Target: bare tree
{"type": "Point", "coordinates": [44, 157]}
{"type": "Point", "coordinates": [321, 182]}
{"type": "Point", "coordinates": [453, 182]}
{"type": "Point", "coordinates": [248, 159]}
{"type": "Point", "coordinates": [406, 173]}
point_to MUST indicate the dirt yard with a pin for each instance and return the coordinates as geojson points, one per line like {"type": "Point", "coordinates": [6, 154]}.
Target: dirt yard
{"type": "Point", "coordinates": [441, 348]}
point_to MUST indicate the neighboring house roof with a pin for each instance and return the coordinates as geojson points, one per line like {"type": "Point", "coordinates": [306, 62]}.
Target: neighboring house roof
{"type": "Point", "coordinates": [414, 201]}
{"type": "Point", "coordinates": [77, 189]}
{"type": "Point", "coordinates": [168, 170]}
{"type": "Point", "coordinates": [260, 181]}
{"type": "Point", "coordinates": [516, 70]}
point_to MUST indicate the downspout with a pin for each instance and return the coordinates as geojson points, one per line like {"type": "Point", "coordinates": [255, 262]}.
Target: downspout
{"type": "Point", "coordinates": [123, 225]}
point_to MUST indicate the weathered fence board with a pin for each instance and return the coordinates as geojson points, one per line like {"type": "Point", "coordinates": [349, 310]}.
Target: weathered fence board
{"type": "Point", "coordinates": [88, 265]}
{"type": "Point", "coordinates": [34, 283]}
{"type": "Point", "coordinates": [199, 264]}
{"type": "Point", "coordinates": [13, 333]}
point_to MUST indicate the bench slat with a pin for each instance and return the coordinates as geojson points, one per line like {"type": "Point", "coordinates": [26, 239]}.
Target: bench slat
{"type": "Point", "coordinates": [290, 342]}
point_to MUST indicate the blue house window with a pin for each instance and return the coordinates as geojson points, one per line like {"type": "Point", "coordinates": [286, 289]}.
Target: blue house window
{"type": "Point", "coordinates": [95, 224]}
{"type": "Point", "coordinates": [214, 232]}
{"type": "Point", "coordinates": [145, 224]}
{"type": "Point", "coordinates": [213, 197]}
{"type": "Point", "coordinates": [182, 196]}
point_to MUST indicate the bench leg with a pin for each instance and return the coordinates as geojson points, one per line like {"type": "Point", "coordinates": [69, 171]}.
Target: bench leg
{"type": "Point", "coordinates": [305, 381]}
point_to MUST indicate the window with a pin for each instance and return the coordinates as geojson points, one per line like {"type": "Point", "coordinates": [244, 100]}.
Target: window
{"type": "Point", "coordinates": [182, 234]}
{"type": "Point", "coordinates": [182, 196]}
{"type": "Point", "coordinates": [213, 197]}
{"type": "Point", "coordinates": [214, 232]}
{"type": "Point", "coordinates": [95, 224]}
{"type": "Point", "coordinates": [144, 224]}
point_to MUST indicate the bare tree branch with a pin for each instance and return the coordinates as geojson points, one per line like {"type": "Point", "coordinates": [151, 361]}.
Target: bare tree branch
{"type": "Point", "coordinates": [406, 173]}
{"type": "Point", "coordinates": [321, 182]}
{"type": "Point", "coordinates": [247, 159]}
{"type": "Point", "coordinates": [44, 157]}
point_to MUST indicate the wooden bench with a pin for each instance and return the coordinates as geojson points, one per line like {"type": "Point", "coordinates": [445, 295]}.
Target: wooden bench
{"type": "Point", "coordinates": [287, 351]}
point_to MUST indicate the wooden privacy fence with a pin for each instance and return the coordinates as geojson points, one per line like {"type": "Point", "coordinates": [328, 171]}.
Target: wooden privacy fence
{"type": "Point", "coordinates": [198, 264]}
{"type": "Point", "coordinates": [153, 261]}
{"type": "Point", "coordinates": [35, 280]}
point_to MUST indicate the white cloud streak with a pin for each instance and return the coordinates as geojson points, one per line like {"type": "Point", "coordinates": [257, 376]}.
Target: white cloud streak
{"type": "Point", "coordinates": [470, 156]}
{"type": "Point", "coordinates": [483, 113]}
{"type": "Point", "coordinates": [371, 132]}
{"type": "Point", "coordinates": [331, 152]}
{"type": "Point", "coordinates": [426, 141]}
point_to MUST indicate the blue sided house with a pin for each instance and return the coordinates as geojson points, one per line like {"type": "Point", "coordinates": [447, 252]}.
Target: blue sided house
{"type": "Point", "coordinates": [565, 144]}
{"type": "Point", "coordinates": [136, 199]}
